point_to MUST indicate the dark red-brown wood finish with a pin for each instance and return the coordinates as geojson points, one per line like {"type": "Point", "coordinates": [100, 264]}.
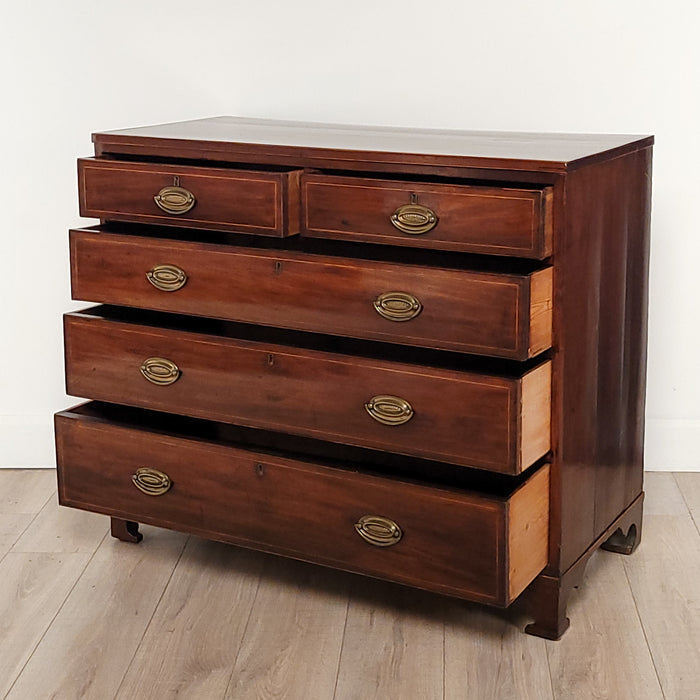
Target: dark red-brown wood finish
{"type": "Point", "coordinates": [494, 314]}
{"type": "Point", "coordinates": [311, 392]}
{"type": "Point", "coordinates": [540, 294]}
{"type": "Point", "coordinates": [306, 510]}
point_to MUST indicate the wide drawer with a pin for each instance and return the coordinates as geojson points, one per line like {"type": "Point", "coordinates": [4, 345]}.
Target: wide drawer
{"type": "Point", "coordinates": [492, 422]}
{"type": "Point", "coordinates": [220, 199]}
{"type": "Point", "coordinates": [470, 545]}
{"type": "Point", "coordinates": [479, 219]}
{"type": "Point", "coordinates": [502, 315]}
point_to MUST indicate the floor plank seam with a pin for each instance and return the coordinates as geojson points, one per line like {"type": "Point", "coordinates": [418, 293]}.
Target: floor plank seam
{"type": "Point", "coordinates": [644, 632]}
{"type": "Point", "coordinates": [444, 660]}
{"type": "Point", "coordinates": [547, 645]}
{"type": "Point", "coordinates": [150, 620]}
{"type": "Point", "coordinates": [687, 505]}
{"type": "Point", "coordinates": [342, 644]}
{"type": "Point", "coordinates": [58, 611]}
{"type": "Point", "coordinates": [245, 630]}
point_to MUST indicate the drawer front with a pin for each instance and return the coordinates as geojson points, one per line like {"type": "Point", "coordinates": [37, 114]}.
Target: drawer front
{"type": "Point", "coordinates": [499, 221]}
{"type": "Point", "coordinates": [264, 203]}
{"type": "Point", "coordinates": [498, 315]}
{"type": "Point", "coordinates": [500, 424]}
{"type": "Point", "coordinates": [457, 543]}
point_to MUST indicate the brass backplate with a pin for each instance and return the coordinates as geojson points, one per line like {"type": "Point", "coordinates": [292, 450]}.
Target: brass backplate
{"type": "Point", "coordinates": [160, 371]}
{"type": "Point", "coordinates": [151, 481]}
{"type": "Point", "coordinates": [414, 219]}
{"type": "Point", "coordinates": [397, 306]}
{"type": "Point", "coordinates": [378, 530]}
{"type": "Point", "coordinates": [389, 410]}
{"type": "Point", "coordinates": [175, 200]}
{"type": "Point", "coordinates": [167, 278]}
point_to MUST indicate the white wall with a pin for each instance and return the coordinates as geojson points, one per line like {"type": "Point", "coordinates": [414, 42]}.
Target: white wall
{"type": "Point", "coordinates": [73, 67]}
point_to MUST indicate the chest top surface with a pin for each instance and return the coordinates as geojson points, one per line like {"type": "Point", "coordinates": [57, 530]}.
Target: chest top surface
{"type": "Point", "coordinates": [236, 136]}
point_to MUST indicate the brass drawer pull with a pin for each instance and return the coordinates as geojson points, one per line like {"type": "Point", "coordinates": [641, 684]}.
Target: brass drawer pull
{"type": "Point", "coordinates": [151, 481]}
{"type": "Point", "coordinates": [390, 410]}
{"type": "Point", "coordinates": [414, 218]}
{"type": "Point", "coordinates": [160, 371]}
{"type": "Point", "coordinates": [175, 200]}
{"type": "Point", "coordinates": [397, 306]}
{"type": "Point", "coordinates": [379, 531]}
{"type": "Point", "coordinates": [167, 278]}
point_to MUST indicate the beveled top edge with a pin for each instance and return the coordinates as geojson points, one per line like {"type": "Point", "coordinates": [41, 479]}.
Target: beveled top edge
{"type": "Point", "coordinates": [483, 148]}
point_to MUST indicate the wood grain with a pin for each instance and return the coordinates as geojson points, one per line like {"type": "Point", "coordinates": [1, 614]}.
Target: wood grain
{"type": "Point", "coordinates": [500, 221]}
{"type": "Point", "coordinates": [535, 414]}
{"type": "Point", "coordinates": [33, 588]}
{"type": "Point", "coordinates": [226, 200]}
{"type": "Point", "coordinates": [12, 525]}
{"type": "Point", "coordinates": [604, 654]}
{"type": "Point", "coordinates": [25, 491]}
{"type": "Point", "coordinates": [528, 532]}
{"type": "Point", "coordinates": [241, 139]}
{"type": "Point", "coordinates": [664, 575]}
{"type": "Point", "coordinates": [241, 496]}
{"type": "Point", "coordinates": [689, 485]}
{"type": "Point", "coordinates": [500, 315]}
{"type": "Point", "coordinates": [306, 606]}
{"type": "Point", "coordinates": [459, 417]}
{"type": "Point", "coordinates": [85, 653]}
{"type": "Point", "coordinates": [600, 329]}
{"type": "Point", "coordinates": [487, 657]}
{"type": "Point", "coordinates": [393, 645]}
{"type": "Point", "coordinates": [58, 529]}
{"type": "Point", "coordinates": [193, 639]}
{"type": "Point", "coordinates": [541, 307]}
{"type": "Point", "coordinates": [663, 495]}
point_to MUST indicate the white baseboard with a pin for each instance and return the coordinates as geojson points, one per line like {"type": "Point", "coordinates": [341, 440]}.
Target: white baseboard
{"type": "Point", "coordinates": [26, 441]}
{"type": "Point", "coordinates": [671, 445]}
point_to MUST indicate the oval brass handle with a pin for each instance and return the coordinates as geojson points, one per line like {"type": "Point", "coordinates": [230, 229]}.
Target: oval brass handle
{"type": "Point", "coordinates": [175, 200]}
{"type": "Point", "coordinates": [151, 481]}
{"type": "Point", "coordinates": [379, 531]}
{"type": "Point", "coordinates": [390, 410]}
{"type": "Point", "coordinates": [160, 371]}
{"type": "Point", "coordinates": [167, 278]}
{"type": "Point", "coordinates": [414, 218]}
{"type": "Point", "coordinates": [397, 306]}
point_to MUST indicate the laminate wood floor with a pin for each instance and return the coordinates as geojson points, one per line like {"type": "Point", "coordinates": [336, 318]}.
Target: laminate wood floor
{"type": "Point", "coordinates": [84, 616]}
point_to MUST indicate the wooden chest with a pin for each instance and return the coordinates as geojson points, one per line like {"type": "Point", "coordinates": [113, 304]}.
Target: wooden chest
{"type": "Point", "coordinates": [416, 355]}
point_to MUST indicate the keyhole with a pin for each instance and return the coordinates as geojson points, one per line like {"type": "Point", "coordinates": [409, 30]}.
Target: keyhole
{"type": "Point", "coordinates": [259, 469]}
{"type": "Point", "coordinates": [270, 360]}
{"type": "Point", "coordinates": [278, 267]}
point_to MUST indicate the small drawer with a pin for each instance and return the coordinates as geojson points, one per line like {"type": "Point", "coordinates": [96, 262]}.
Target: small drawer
{"type": "Point", "coordinates": [501, 315]}
{"type": "Point", "coordinates": [492, 422]}
{"type": "Point", "coordinates": [460, 543]}
{"type": "Point", "coordinates": [494, 220]}
{"type": "Point", "coordinates": [219, 199]}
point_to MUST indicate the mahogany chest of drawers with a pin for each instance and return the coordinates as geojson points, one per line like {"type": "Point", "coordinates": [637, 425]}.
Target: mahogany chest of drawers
{"type": "Point", "coordinates": [416, 355]}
